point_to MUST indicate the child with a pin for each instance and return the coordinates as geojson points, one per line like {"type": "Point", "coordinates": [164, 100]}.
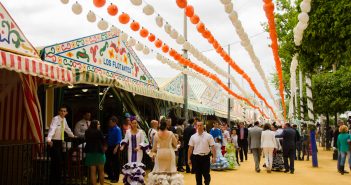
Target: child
{"type": "Point", "coordinates": [221, 162]}
{"type": "Point", "coordinates": [230, 155]}
{"type": "Point", "coordinates": [234, 139]}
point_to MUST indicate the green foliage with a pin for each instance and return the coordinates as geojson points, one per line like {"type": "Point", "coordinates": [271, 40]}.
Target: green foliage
{"type": "Point", "coordinates": [332, 91]}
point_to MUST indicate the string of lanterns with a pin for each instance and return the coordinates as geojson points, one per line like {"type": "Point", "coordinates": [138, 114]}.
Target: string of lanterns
{"type": "Point", "coordinates": [125, 19]}
{"type": "Point", "coordinates": [201, 28]}
{"type": "Point", "coordinates": [269, 11]}
{"type": "Point", "coordinates": [245, 42]}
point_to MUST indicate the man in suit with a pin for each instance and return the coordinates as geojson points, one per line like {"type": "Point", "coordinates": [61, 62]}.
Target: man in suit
{"type": "Point", "coordinates": [242, 141]}
{"type": "Point", "coordinates": [188, 132]}
{"type": "Point", "coordinates": [289, 138]}
{"type": "Point", "coordinates": [254, 139]}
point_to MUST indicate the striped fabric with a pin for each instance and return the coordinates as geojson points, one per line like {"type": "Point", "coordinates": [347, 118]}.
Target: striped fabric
{"type": "Point", "coordinates": [35, 67]}
{"type": "Point", "coordinates": [87, 77]}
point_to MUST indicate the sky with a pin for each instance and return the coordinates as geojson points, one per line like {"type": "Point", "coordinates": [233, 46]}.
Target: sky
{"type": "Point", "coordinates": [46, 22]}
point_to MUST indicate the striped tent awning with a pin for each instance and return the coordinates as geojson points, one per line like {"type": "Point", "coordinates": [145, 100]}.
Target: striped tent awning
{"type": "Point", "coordinates": [87, 77]}
{"type": "Point", "coordinates": [35, 67]}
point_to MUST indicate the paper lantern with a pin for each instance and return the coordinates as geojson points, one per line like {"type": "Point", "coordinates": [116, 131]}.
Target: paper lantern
{"type": "Point", "coordinates": [165, 48]}
{"type": "Point", "coordinates": [195, 19]}
{"type": "Point", "coordinates": [305, 6]}
{"type": "Point", "coordinates": [233, 15]}
{"type": "Point", "coordinates": [99, 3]}
{"type": "Point", "coordinates": [159, 21]}
{"type": "Point", "coordinates": [136, 2]}
{"type": "Point", "coordinates": [158, 43]}
{"type": "Point", "coordinates": [146, 50]}
{"type": "Point", "coordinates": [124, 36]}
{"type": "Point", "coordinates": [112, 9]}
{"type": "Point", "coordinates": [207, 34]}
{"type": "Point", "coordinates": [174, 34]}
{"type": "Point", "coordinates": [301, 26]}
{"type": "Point", "coordinates": [172, 53]}
{"type": "Point", "coordinates": [139, 46]}
{"type": "Point", "coordinates": [148, 10]}
{"type": "Point", "coordinates": [200, 27]}
{"type": "Point", "coordinates": [228, 8]}
{"type": "Point", "coordinates": [115, 30]}
{"type": "Point", "coordinates": [181, 3]}
{"type": "Point", "coordinates": [211, 39]}
{"type": "Point", "coordinates": [64, 1]}
{"type": "Point", "coordinates": [186, 45]}
{"type": "Point", "coordinates": [168, 28]}
{"type": "Point", "coordinates": [151, 37]}
{"type": "Point", "coordinates": [102, 24]}
{"type": "Point", "coordinates": [91, 16]}
{"type": "Point", "coordinates": [131, 42]}
{"type": "Point", "coordinates": [159, 57]}
{"type": "Point", "coordinates": [189, 11]}
{"type": "Point", "coordinates": [303, 17]}
{"type": "Point", "coordinates": [76, 8]}
{"type": "Point", "coordinates": [180, 39]}
{"type": "Point", "coordinates": [134, 26]}
{"type": "Point", "coordinates": [268, 7]}
{"type": "Point", "coordinates": [225, 1]}
{"type": "Point", "coordinates": [144, 32]}
{"type": "Point", "coordinates": [124, 18]}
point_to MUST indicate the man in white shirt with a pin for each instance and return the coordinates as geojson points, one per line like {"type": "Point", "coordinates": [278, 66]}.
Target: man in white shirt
{"type": "Point", "coordinates": [82, 125]}
{"type": "Point", "coordinates": [152, 131]}
{"type": "Point", "coordinates": [58, 127]}
{"type": "Point", "coordinates": [200, 145]}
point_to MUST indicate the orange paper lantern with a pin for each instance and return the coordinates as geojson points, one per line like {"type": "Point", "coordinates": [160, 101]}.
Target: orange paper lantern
{"type": "Point", "coordinates": [99, 3]}
{"type": "Point", "coordinates": [207, 34]}
{"type": "Point", "coordinates": [195, 19]}
{"type": "Point", "coordinates": [200, 27]}
{"type": "Point", "coordinates": [124, 18]}
{"type": "Point", "coordinates": [189, 11]}
{"type": "Point", "coordinates": [181, 3]}
{"type": "Point", "coordinates": [211, 39]}
{"type": "Point", "coordinates": [172, 52]}
{"type": "Point", "coordinates": [151, 37]}
{"type": "Point", "coordinates": [158, 43]}
{"type": "Point", "coordinates": [165, 48]}
{"type": "Point", "coordinates": [134, 26]}
{"type": "Point", "coordinates": [112, 9]}
{"type": "Point", "coordinates": [144, 32]}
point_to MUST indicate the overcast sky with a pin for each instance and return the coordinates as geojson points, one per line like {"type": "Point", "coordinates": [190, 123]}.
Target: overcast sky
{"type": "Point", "coordinates": [46, 22]}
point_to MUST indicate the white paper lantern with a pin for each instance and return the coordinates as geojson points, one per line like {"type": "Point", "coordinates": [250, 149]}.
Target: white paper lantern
{"type": "Point", "coordinates": [233, 16]}
{"type": "Point", "coordinates": [115, 30]}
{"type": "Point", "coordinates": [174, 34]}
{"type": "Point", "coordinates": [159, 56]}
{"type": "Point", "coordinates": [168, 28]}
{"type": "Point", "coordinates": [225, 1]}
{"type": "Point", "coordinates": [136, 2]}
{"type": "Point", "coordinates": [102, 24]}
{"type": "Point", "coordinates": [146, 50]}
{"type": "Point", "coordinates": [180, 39]}
{"type": "Point", "coordinates": [301, 26]}
{"type": "Point", "coordinates": [64, 1]}
{"type": "Point", "coordinates": [131, 42]}
{"type": "Point", "coordinates": [77, 8]}
{"type": "Point", "coordinates": [186, 45]}
{"type": "Point", "coordinates": [228, 8]}
{"type": "Point", "coordinates": [91, 16]}
{"type": "Point", "coordinates": [148, 10]}
{"type": "Point", "coordinates": [139, 46]}
{"type": "Point", "coordinates": [305, 6]}
{"type": "Point", "coordinates": [159, 21]}
{"type": "Point", "coordinates": [303, 17]}
{"type": "Point", "coordinates": [124, 36]}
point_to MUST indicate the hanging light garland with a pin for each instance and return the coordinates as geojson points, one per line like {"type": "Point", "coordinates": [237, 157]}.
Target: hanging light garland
{"type": "Point", "coordinates": [245, 42]}
{"type": "Point", "coordinates": [201, 28]}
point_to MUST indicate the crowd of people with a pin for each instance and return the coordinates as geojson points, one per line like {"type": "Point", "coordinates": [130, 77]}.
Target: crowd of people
{"type": "Point", "coordinates": [189, 144]}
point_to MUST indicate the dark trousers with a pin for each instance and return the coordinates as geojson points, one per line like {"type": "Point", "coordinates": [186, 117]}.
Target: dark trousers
{"type": "Point", "coordinates": [180, 158]}
{"type": "Point", "coordinates": [298, 149]}
{"type": "Point", "coordinates": [56, 155]}
{"type": "Point", "coordinates": [289, 158]}
{"type": "Point", "coordinates": [202, 168]}
{"type": "Point", "coordinates": [237, 155]}
{"type": "Point", "coordinates": [113, 164]}
{"type": "Point", "coordinates": [244, 147]}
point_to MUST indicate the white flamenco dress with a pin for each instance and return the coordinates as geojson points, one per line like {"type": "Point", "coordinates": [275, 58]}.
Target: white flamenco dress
{"type": "Point", "coordinates": [165, 170]}
{"type": "Point", "coordinates": [221, 162]}
{"type": "Point", "coordinates": [134, 171]}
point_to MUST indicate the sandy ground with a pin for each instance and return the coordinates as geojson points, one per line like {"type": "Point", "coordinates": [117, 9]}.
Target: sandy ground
{"type": "Point", "coordinates": [305, 174]}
